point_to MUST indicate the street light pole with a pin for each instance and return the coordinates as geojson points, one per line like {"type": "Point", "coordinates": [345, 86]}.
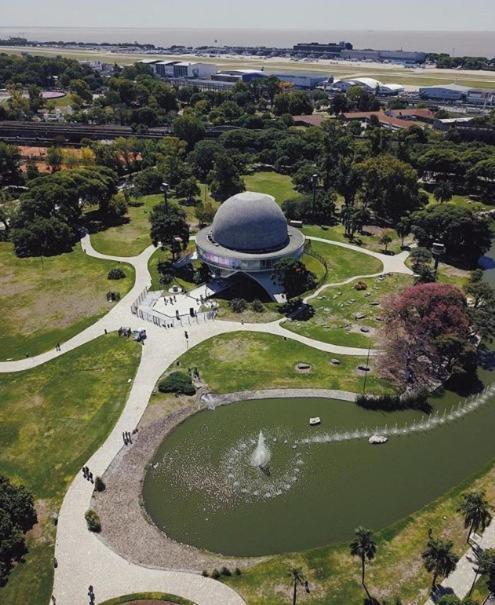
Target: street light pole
{"type": "Point", "coordinates": [314, 181]}
{"type": "Point", "coordinates": [164, 189]}
{"type": "Point", "coordinates": [438, 250]}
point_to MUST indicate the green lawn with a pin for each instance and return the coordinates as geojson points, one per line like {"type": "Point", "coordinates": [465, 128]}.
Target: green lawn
{"type": "Point", "coordinates": [246, 361]}
{"type": "Point", "coordinates": [131, 236]}
{"type": "Point", "coordinates": [273, 183]}
{"type": "Point", "coordinates": [52, 419]}
{"type": "Point", "coordinates": [344, 263]}
{"type": "Point", "coordinates": [465, 201]}
{"type": "Point", "coordinates": [334, 320]}
{"type": "Point", "coordinates": [397, 570]}
{"type": "Point", "coordinates": [48, 300]}
{"type": "Point", "coordinates": [368, 240]}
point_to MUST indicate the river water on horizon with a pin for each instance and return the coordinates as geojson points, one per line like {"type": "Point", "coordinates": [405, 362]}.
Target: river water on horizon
{"type": "Point", "coordinates": [474, 43]}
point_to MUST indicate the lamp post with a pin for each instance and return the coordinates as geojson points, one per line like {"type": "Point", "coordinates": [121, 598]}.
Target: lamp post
{"type": "Point", "coordinates": [164, 188]}
{"type": "Point", "coordinates": [314, 181]}
{"type": "Point", "coordinates": [438, 250]}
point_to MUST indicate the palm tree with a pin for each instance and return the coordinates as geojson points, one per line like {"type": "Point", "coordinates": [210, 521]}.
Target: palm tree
{"type": "Point", "coordinates": [443, 192]}
{"type": "Point", "coordinates": [364, 547]}
{"type": "Point", "coordinates": [297, 579]}
{"type": "Point", "coordinates": [476, 512]}
{"type": "Point", "coordinates": [483, 565]}
{"type": "Point", "coordinates": [438, 558]}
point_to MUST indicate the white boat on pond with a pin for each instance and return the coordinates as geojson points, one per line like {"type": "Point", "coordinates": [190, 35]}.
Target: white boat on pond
{"type": "Point", "coordinates": [314, 421]}
{"type": "Point", "coordinates": [377, 439]}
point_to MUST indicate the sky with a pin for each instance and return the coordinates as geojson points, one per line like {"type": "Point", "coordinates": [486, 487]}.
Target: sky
{"type": "Point", "coordinates": [274, 14]}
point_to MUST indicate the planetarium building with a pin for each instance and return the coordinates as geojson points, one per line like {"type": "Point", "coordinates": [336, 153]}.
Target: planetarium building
{"type": "Point", "coordinates": [249, 234]}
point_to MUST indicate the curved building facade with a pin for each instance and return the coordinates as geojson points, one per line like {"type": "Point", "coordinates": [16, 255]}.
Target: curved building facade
{"type": "Point", "coordinates": [250, 234]}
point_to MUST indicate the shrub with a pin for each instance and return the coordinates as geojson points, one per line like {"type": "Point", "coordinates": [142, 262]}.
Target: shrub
{"type": "Point", "coordinates": [237, 571]}
{"type": "Point", "coordinates": [238, 305]}
{"type": "Point", "coordinates": [360, 285]}
{"type": "Point", "coordinates": [93, 521]}
{"type": "Point", "coordinates": [100, 484]}
{"type": "Point", "coordinates": [449, 599]}
{"type": "Point", "coordinates": [177, 382]}
{"type": "Point", "coordinates": [390, 403]}
{"type": "Point", "coordinates": [215, 574]}
{"type": "Point", "coordinates": [257, 306]}
{"type": "Point", "coordinates": [116, 274]}
{"type": "Point", "coordinates": [225, 571]}
{"type": "Point", "coordinates": [205, 574]}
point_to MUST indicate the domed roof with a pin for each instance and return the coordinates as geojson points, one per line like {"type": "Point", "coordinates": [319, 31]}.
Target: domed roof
{"type": "Point", "coordinates": [250, 222]}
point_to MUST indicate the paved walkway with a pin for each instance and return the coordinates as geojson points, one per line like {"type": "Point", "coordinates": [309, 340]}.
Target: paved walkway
{"type": "Point", "coordinates": [82, 558]}
{"type": "Point", "coordinates": [461, 580]}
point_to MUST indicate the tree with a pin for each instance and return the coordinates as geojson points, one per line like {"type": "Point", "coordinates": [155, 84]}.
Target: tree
{"type": "Point", "coordinates": [225, 179]}
{"type": "Point", "coordinates": [17, 516]}
{"type": "Point", "coordinates": [439, 558]}
{"type": "Point", "coordinates": [443, 192]}
{"type": "Point", "coordinates": [189, 128]}
{"type": "Point", "coordinates": [482, 302]}
{"type": "Point", "coordinates": [187, 188]}
{"type": "Point", "coordinates": [389, 187]}
{"type": "Point", "coordinates": [363, 546]}
{"type": "Point", "coordinates": [297, 579]}
{"type": "Point", "coordinates": [385, 240]}
{"type": "Point", "coordinates": [420, 325]}
{"type": "Point", "coordinates": [147, 181]}
{"type": "Point", "coordinates": [475, 510]}
{"type": "Point", "coordinates": [205, 213]}
{"type": "Point", "coordinates": [10, 158]}
{"type": "Point", "coordinates": [54, 158]}
{"type": "Point", "coordinates": [294, 276]}
{"type": "Point", "coordinates": [169, 228]}
{"type": "Point", "coordinates": [485, 566]}
{"type": "Point", "coordinates": [466, 236]}
{"type": "Point", "coordinates": [422, 265]}
{"type": "Point", "coordinates": [203, 157]}
{"type": "Point", "coordinates": [403, 228]}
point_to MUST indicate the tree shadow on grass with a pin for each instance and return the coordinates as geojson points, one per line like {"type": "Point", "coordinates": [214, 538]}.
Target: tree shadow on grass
{"type": "Point", "coordinates": [96, 221]}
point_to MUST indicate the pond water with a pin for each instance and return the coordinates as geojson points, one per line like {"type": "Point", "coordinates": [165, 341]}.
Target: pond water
{"type": "Point", "coordinates": [202, 489]}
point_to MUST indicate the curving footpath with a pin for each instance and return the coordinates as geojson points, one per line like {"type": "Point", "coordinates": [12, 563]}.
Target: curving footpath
{"type": "Point", "coordinates": [82, 558]}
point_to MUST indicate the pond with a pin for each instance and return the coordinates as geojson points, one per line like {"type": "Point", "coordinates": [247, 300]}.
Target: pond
{"type": "Point", "coordinates": [202, 489]}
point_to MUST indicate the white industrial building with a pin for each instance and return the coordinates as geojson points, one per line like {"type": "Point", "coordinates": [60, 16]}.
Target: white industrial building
{"type": "Point", "coordinates": [369, 84]}
{"type": "Point", "coordinates": [181, 69]}
{"type": "Point", "coordinates": [455, 93]}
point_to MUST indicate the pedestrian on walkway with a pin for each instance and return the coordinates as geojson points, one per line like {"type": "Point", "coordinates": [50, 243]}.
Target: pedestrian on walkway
{"type": "Point", "coordinates": [90, 476]}
{"type": "Point", "coordinates": [124, 438]}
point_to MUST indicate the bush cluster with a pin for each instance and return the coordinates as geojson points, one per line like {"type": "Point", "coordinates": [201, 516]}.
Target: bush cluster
{"type": "Point", "coordinates": [391, 403]}
{"type": "Point", "coordinates": [177, 382]}
{"type": "Point", "coordinates": [116, 273]}
{"type": "Point", "coordinates": [93, 521]}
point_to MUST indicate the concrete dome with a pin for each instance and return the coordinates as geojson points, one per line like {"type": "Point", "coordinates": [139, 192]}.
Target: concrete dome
{"type": "Point", "coordinates": [250, 222]}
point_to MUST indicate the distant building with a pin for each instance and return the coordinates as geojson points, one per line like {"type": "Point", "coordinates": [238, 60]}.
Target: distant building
{"type": "Point", "coordinates": [331, 48]}
{"type": "Point", "coordinates": [448, 123]}
{"type": "Point", "coordinates": [239, 75]}
{"type": "Point", "coordinates": [382, 56]}
{"type": "Point", "coordinates": [455, 93]}
{"type": "Point", "coordinates": [181, 69]}
{"type": "Point", "coordinates": [369, 84]}
{"type": "Point", "coordinates": [303, 81]}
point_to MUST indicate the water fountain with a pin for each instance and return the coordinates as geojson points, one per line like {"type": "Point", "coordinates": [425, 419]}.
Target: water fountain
{"type": "Point", "coordinates": [261, 455]}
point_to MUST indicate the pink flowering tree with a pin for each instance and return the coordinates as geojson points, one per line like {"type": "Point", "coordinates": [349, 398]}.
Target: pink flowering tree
{"type": "Point", "coordinates": [425, 336]}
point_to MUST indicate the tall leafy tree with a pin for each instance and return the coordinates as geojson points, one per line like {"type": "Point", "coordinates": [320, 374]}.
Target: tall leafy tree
{"type": "Point", "coordinates": [475, 510]}
{"type": "Point", "coordinates": [363, 546]}
{"type": "Point", "coordinates": [439, 558]}
{"type": "Point", "coordinates": [169, 228]}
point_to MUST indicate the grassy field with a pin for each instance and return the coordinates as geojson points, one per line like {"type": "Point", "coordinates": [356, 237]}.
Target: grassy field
{"type": "Point", "coordinates": [385, 73]}
{"type": "Point", "coordinates": [344, 263]}
{"type": "Point", "coordinates": [370, 239]}
{"type": "Point", "coordinates": [397, 570]}
{"type": "Point", "coordinates": [334, 320]}
{"type": "Point", "coordinates": [463, 201]}
{"type": "Point", "coordinates": [272, 183]}
{"type": "Point", "coordinates": [131, 237]}
{"type": "Point", "coordinates": [241, 362]}
{"type": "Point", "coordinates": [52, 419]}
{"type": "Point", "coordinates": [48, 300]}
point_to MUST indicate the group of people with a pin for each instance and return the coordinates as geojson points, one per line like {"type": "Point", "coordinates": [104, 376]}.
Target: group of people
{"type": "Point", "coordinates": [87, 474]}
{"type": "Point", "coordinates": [127, 438]}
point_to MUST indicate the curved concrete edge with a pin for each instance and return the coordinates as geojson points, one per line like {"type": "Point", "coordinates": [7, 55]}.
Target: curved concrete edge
{"type": "Point", "coordinates": [228, 398]}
